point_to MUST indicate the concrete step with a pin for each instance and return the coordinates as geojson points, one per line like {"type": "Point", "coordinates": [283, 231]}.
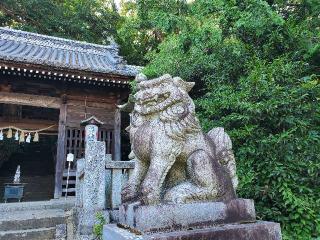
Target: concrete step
{"type": "Point", "coordinates": [33, 220]}
{"type": "Point", "coordinates": [30, 234]}
{"type": "Point", "coordinates": [23, 220]}
{"type": "Point", "coordinates": [38, 205]}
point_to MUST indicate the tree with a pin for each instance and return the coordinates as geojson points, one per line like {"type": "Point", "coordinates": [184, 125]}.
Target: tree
{"type": "Point", "coordinates": [257, 64]}
{"type": "Point", "coordinates": [145, 24]}
{"type": "Point", "coordinates": [91, 21]}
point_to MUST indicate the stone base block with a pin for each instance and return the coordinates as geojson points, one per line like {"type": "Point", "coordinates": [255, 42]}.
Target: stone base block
{"type": "Point", "coordinates": [170, 217]}
{"type": "Point", "coordinates": [61, 232]}
{"type": "Point", "coordinates": [250, 231]}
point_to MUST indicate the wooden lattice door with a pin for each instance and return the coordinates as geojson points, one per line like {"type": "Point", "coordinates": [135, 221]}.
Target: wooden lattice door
{"type": "Point", "coordinates": [75, 141]}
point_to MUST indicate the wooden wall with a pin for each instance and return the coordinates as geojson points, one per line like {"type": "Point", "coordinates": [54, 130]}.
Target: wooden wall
{"type": "Point", "coordinates": [75, 101]}
{"type": "Point", "coordinates": [78, 110]}
{"type": "Point", "coordinates": [82, 100]}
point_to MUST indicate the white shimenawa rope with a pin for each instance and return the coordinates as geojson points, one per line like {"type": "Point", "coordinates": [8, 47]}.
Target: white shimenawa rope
{"type": "Point", "coordinates": [27, 131]}
{"type": "Point", "coordinates": [22, 133]}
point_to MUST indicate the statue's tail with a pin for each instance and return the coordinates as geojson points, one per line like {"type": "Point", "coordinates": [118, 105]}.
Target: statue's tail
{"type": "Point", "coordinates": [224, 152]}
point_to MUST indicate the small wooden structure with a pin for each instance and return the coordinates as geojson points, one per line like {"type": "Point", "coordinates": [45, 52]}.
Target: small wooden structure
{"type": "Point", "coordinates": [76, 78]}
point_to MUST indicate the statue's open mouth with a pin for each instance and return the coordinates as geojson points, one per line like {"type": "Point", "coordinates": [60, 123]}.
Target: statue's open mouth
{"type": "Point", "coordinates": [154, 100]}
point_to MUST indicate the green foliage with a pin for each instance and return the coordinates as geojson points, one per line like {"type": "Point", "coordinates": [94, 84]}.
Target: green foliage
{"type": "Point", "coordinates": [275, 128]}
{"type": "Point", "coordinates": [256, 65]}
{"type": "Point", "coordinates": [91, 21]}
{"type": "Point", "coordinates": [98, 227]}
{"type": "Point", "coordinates": [145, 24]}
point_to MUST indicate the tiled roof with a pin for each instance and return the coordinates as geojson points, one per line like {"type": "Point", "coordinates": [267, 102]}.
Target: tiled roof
{"type": "Point", "coordinates": [31, 48]}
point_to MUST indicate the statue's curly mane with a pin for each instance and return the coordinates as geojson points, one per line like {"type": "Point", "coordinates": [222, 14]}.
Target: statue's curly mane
{"type": "Point", "coordinates": [178, 117]}
{"type": "Point", "coordinates": [177, 125]}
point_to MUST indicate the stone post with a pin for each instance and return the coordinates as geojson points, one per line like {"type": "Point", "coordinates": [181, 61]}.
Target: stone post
{"type": "Point", "coordinates": [94, 183]}
{"type": "Point", "coordinates": [79, 182]}
{"type": "Point", "coordinates": [108, 182]}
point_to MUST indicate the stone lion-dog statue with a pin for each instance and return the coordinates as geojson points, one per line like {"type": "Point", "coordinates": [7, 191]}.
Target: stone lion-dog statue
{"type": "Point", "coordinates": [174, 160]}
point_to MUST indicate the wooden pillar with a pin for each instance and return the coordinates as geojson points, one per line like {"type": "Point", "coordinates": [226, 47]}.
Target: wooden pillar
{"type": "Point", "coordinates": [117, 135]}
{"type": "Point", "coordinates": [61, 150]}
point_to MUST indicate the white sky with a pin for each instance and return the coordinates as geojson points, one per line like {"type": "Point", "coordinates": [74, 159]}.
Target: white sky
{"type": "Point", "coordinates": [117, 3]}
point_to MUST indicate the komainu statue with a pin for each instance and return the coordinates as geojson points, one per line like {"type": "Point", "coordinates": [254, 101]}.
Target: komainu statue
{"type": "Point", "coordinates": [174, 160]}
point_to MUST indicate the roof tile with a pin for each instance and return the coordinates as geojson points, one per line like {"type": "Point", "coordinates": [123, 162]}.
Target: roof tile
{"type": "Point", "coordinates": [32, 48]}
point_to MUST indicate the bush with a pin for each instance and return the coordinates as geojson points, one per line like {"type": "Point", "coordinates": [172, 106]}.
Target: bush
{"type": "Point", "coordinates": [98, 227]}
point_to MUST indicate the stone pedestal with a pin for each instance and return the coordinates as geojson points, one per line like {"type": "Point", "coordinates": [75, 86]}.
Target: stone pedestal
{"type": "Point", "coordinates": [169, 217]}
{"type": "Point", "coordinates": [233, 220]}
{"type": "Point", "coordinates": [249, 231]}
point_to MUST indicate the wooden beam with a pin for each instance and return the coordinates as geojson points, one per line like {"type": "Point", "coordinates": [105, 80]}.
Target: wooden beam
{"type": "Point", "coordinates": [90, 99]}
{"type": "Point", "coordinates": [65, 71]}
{"type": "Point", "coordinates": [61, 151]}
{"type": "Point", "coordinates": [30, 100]}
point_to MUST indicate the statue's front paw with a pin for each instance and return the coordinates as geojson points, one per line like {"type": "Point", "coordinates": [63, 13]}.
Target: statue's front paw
{"type": "Point", "coordinates": [150, 196]}
{"type": "Point", "coordinates": [175, 197]}
{"type": "Point", "coordinates": [129, 193]}
{"type": "Point", "coordinates": [151, 199]}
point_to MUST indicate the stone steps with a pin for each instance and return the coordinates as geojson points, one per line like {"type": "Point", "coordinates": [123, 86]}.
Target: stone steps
{"type": "Point", "coordinates": [38, 205]}
{"type": "Point", "coordinates": [33, 220]}
{"type": "Point", "coordinates": [29, 234]}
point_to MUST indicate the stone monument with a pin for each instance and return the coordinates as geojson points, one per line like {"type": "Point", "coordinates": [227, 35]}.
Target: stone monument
{"type": "Point", "coordinates": [184, 182]}
{"type": "Point", "coordinates": [91, 181]}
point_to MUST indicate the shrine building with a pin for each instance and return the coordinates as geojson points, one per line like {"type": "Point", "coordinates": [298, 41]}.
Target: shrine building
{"type": "Point", "coordinates": [48, 85]}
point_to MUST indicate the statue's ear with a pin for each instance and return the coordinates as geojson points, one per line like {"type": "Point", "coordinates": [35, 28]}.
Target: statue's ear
{"type": "Point", "coordinates": [189, 86]}
{"type": "Point", "coordinates": [141, 77]}
{"type": "Point", "coordinates": [185, 85]}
